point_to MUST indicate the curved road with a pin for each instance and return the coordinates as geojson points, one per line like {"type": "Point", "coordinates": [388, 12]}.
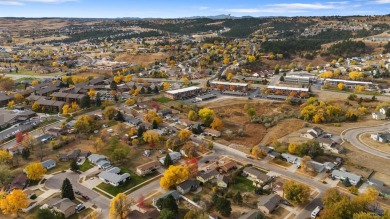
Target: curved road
{"type": "Point", "coordinates": [352, 136]}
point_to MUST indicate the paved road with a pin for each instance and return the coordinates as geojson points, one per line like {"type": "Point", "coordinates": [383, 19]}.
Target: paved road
{"type": "Point", "coordinates": [21, 128]}
{"type": "Point", "coordinates": [18, 76]}
{"type": "Point", "coordinates": [352, 136]}
{"type": "Point", "coordinates": [55, 182]}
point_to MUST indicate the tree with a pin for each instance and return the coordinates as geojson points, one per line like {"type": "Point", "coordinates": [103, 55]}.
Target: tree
{"type": "Point", "coordinates": [73, 166]}
{"type": "Point", "coordinates": [154, 124]}
{"type": "Point", "coordinates": [152, 115]}
{"type": "Point", "coordinates": [354, 75]}
{"type": "Point", "coordinates": [258, 153]}
{"type": "Point", "coordinates": [36, 107]}
{"type": "Point", "coordinates": [34, 82]}
{"type": "Point", "coordinates": [295, 192]}
{"type": "Point", "coordinates": [151, 137]}
{"type": "Point", "coordinates": [173, 176]}
{"type": "Point", "coordinates": [237, 198]}
{"type": "Point", "coordinates": [67, 190]}
{"type": "Point", "coordinates": [341, 86]}
{"type": "Point", "coordinates": [5, 174]}
{"type": "Point", "coordinates": [223, 206]}
{"type": "Point", "coordinates": [331, 197]}
{"type": "Point", "coordinates": [11, 104]}
{"type": "Point", "coordinates": [251, 112]}
{"type": "Point", "coordinates": [109, 112]}
{"type": "Point", "coordinates": [207, 115]}
{"type": "Point", "coordinates": [184, 135]}
{"type": "Point", "coordinates": [166, 214]}
{"type": "Point", "coordinates": [128, 78]}
{"type": "Point", "coordinates": [293, 148]}
{"type": "Point", "coordinates": [119, 116]}
{"type": "Point", "coordinates": [196, 214]}
{"type": "Point", "coordinates": [113, 85]}
{"type": "Point", "coordinates": [346, 182]}
{"type": "Point", "coordinates": [29, 141]}
{"type": "Point", "coordinates": [91, 93]}
{"type": "Point", "coordinates": [230, 76]}
{"type": "Point", "coordinates": [5, 157]}
{"type": "Point", "coordinates": [306, 164]}
{"type": "Point", "coordinates": [85, 124]}
{"type": "Point", "coordinates": [169, 203]}
{"type": "Point", "coordinates": [18, 98]}
{"type": "Point", "coordinates": [35, 171]}
{"type": "Point", "coordinates": [168, 161]}
{"type": "Point", "coordinates": [130, 102]}
{"type": "Point", "coordinates": [140, 131]}
{"type": "Point", "coordinates": [25, 153]}
{"type": "Point", "coordinates": [13, 202]}
{"type": "Point", "coordinates": [192, 115]}
{"type": "Point", "coordinates": [98, 100]}
{"type": "Point", "coordinates": [98, 144]}
{"type": "Point", "coordinates": [119, 154]}
{"type": "Point", "coordinates": [46, 213]}
{"type": "Point", "coordinates": [120, 206]}
{"type": "Point", "coordinates": [66, 109]}
{"type": "Point", "coordinates": [217, 124]}
{"type": "Point", "coordinates": [85, 102]}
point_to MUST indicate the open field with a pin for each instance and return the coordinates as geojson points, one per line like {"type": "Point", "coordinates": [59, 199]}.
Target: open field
{"type": "Point", "coordinates": [366, 139]}
{"type": "Point", "coordinates": [142, 59]}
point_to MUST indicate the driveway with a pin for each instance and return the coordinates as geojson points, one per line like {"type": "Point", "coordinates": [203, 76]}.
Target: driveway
{"type": "Point", "coordinates": [352, 136]}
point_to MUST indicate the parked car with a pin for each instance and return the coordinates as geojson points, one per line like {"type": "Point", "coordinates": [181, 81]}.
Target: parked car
{"type": "Point", "coordinates": [77, 192]}
{"type": "Point", "coordinates": [80, 207]}
{"type": "Point", "coordinates": [162, 151]}
{"type": "Point", "coordinates": [110, 131]}
{"type": "Point", "coordinates": [85, 197]}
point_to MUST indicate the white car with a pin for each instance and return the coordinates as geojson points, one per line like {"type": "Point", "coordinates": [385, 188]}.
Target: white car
{"type": "Point", "coordinates": [315, 212]}
{"type": "Point", "coordinates": [110, 131]}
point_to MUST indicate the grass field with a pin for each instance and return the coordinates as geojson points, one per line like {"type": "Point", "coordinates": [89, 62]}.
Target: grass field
{"type": "Point", "coordinates": [163, 99]}
{"type": "Point", "coordinates": [60, 167]}
{"type": "Point", "coordinates": [134, 180]}
{"type": "Point", "coordinates": [86, 166]}
{"type": "Point", "coordinates": [242, 184]}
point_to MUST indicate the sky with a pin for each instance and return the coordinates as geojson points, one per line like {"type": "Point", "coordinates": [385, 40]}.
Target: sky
{"type": "Point", "coordinates": [188, 8]}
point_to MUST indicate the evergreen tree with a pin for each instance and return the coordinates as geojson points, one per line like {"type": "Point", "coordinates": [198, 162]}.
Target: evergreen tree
{"type": "Point", "coordinates": [25, 153]}
{"type": "Point", "coordinates": [140, 131]}
{"type": "Point", "coordinates": [169, 203]}
{"type": "Point", "coordinates": [67, 190]}
{"type": "Point", "coordinates": [119, 116]}
{"type": "Point", "coordinates": [134, 87]}
{"type": "Point", "coordinates": [149, 90]}
{"type": "Point", "coordinates": [98, 101]}
{"type": "Point", "coordinates": [166, 214]}
{"type": "Point", "coordinates": [73, 166]}
{"type": "Point", "coordinates": [116, 99]}
{"type": "Point", "coordinates": [223, 206]}
{"type": "Point", "coordinates": [168, 161]}
{"type": "Point", "coordinates": [346, 182]}
{"type": "Point", "coordinates": [113, 85]}
{"type": "Point", "coordinates": [142, 91]}
{"type": "Point", "coordinates": [237, 198]}
{"type": "Point", "coordinates": [154, 125]}
{"type": "Point", "coordinates": [155, 90]}
{"type": "Point", "coordinates": [85, 102]}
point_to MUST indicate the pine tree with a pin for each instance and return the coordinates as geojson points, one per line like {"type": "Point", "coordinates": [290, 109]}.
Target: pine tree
{"type": "Point", "coordinates": [85, 102]}
{"type": "Point", "coordinates": [119, 116]}
{"type": "Point", "coordinates": [140, 131]}
{"type": "Point", "coordinates": [154, 125]}
{"type": "Point", "coordinates": [237, 198]}
{"type": "Point", "coordinates": [346, 182]}
{"type": "Point", "coordinates": [142, 91]}
{"type": "Point", "coordinates": [155, 90]}
{"type": "Point", "coordinates": [25, 153]}
{"type": "Point", "coordinates": [113, 85]}
{"type": "Point", "coordinates": [168, 161]}
{"type": "Point", "coordinates": [73, 166]}
{"type": "Point", "coordinates": [67, 190]}
{"type": "Point", "coordinates": [98, 101]}
{"type": "Point", "coordinates": [149, 90]}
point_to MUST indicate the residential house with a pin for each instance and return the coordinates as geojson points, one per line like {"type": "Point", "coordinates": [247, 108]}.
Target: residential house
{"type": "Point", "coordinates": [316, 130]}
{"type": "Point", "coordinates": [309, 135]}
{"type": "Point", "coordinates": [222, 181]}
{"type": "Point", "coordinates": [268, 203]}
{"type": "Point", "coordinates": [4, 99]}
{"type": "Point", "coordinates": [227, 166]}
{"type": "Point", "coordinates": [256, 176]}
{"type": "Point", "coordinates": [205, 177]}
{"type": "Point", "coordinates": [74, 154]}
{"type": "Point", "coordinates": [99, 160]}
{"type": "Point", "coordinates": [64, 206]}
{"type": "Point", "coordinates": [148, 168]}
{"type": "Point", "coordinates": [316, 166]}
{"type": "Point", "coordinates": [164, 112]}
{"type": "Point", "coordinates": [48, 164]}
{"type": "Point", "coordinates": [383, 191]}
{"type": "Point", "coordinates": [175, 156]}
{"type": "Point", "coordinates": [212, 132]}
{"type": "Point", "coordinates": [375, 182]}
{"type": "Point", "coordinates": [19, 182]}
{"type": "Point", "coordinates": [45, 138]}
{"type": "Point", "coordinates": [175, 194]}
{"type": "Point", "coordinates": [16, 149]}
{"type": "Point", "coordinates": [382, 137]}
{"type": "Point", "coordinates": [278, 188]}
{"type": "Point", "coordinates": [253, 214]}
{"type": "Point", "coordinates": [132, 120]}
{"type": "Point", "coordinates": [329, 166]}
{"type": "Point", "coordinates": [56, 131]}
{"type": "Point", "coordinates": [292, 159]}
{"type": "Point", "coordinates": [378, 116]}
{"type": "Point", "coordinates": [325, 143]}
{"type": "Point", "coordinates": [185, 122]}
{"type": "Point", "coordinates": [11, 117]}
{"type": "Point", "coordinates": [112, 176]}
{"type": "Point", "coordinates": [342, 175]}
{"type": "Point", "coordinates": [187, 186]}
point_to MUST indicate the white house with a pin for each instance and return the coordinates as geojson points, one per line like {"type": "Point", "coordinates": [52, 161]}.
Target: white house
{"type": "Point", "coordinates": [175, 156]}
{"type": "Point", "coordinates": [292, 159]}
{"type": "Point", "coordinates": [353, 178]}
{"type": "Point", "coordinates": [112, 176]}
{"type": "Point", "coordinates": [99, 160]}
{"type": "Point", "coordinates": [381, 137]}
{"type": "Point", "coordinates": [316, 130]}
{"type": "Point", "coordinates": [378, 115]}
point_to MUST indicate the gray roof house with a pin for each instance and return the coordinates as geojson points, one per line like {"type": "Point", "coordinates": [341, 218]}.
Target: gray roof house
{"type": "Point", "coordinates": [382, 137]}
{"type": "Point", "coordinates": [48, 164]}
{"type": "Point", "coordinates": [187, 186]}
{"type": "Point", "coordinates": [268, 203]}
{"type": "Point", "coordinates": [175, 156]}
{"type": "Point", "coordinates": [112, 176]}
{"type": "Point", "coordinates": [94, 158]}
{"type": "Point", "coordinates": [205, 177]}
{"type": "Point", "coordinates": [256, 175]}
{"type": "Point", "coordinates": [132, 120]}
{"type": "Point", "coordinates": [292, 159]}
{"type": "Point", "coordinates": [353, 178]}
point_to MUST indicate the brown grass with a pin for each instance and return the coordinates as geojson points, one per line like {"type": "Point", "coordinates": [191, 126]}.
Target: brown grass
{"type": "Point", "coordinates": [365, 138]}
{"type": "Point", "coordinates": [142, 59]}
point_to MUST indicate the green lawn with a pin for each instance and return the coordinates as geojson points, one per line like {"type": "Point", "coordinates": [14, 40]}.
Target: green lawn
{"type": "Point", "coordinates": [111, 123]}
{"type": "Point", "coordinates": [242, 184]}
{"type": "Point", "coordinates": [134, 181]}
{"type": "Point", "coordinates": [163, 99]}
{"type": "Point", "coordinates": [86, 166]}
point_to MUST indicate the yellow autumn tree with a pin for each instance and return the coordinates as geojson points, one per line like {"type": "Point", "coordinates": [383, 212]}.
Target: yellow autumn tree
{"type": "Point", "coordinates": [206, 114]}
{"type": "Point", "coordinates": [91, 93]}
{"type": "Point", "coordinates": [118, 78]}
{"type": "Point", "coordinates": [128, 78]}
{"type": "Point", "coordinates": [354, 75]}
{"type": "Point", "coordinates": [120, 206]}
{"type": "Point", "coordinates": [66, 109]}
{"type": "Point", "coordinates": [35, 171]}
{"type": "Point", "coordinates": [173, 176]}
{"type": "Point", "coordinates": [11, 104]}
{"type": "Point", "coordinates": [293, 148]}
{"type": "Point", "coordinates": [151, 136]}
{"type": "Point", "coordinates": [166, 85]}
{"type": "Point", "coordinates": [34, 82]}
{"type": "Point", "coordinates": [152, 116]}
{"type": "Point", "coordinates": [36, 106]}
{"type": "Point", "coordinates": [341, 86]}
{"type": "Point", "coordinates": [130, 102]}
{"type": "Point", "coordinates": [13, 202]}
{"type": "Point", "coordinates": [5, 157]}
{"type": "Point", "coordinates": [230, 76]}
{"type": "Point", "coordinates": [75, 106]}
{"type": "Point", "coordinates": [258, 152]}
{"type": "Point", "coordinates": [217, 124]}
{"type": "Point", "coordinates": [184, 135]}
{"type": "Point", "coordinates": [360, 88]}
{"type": "Point", "coordinates": [18, 98]}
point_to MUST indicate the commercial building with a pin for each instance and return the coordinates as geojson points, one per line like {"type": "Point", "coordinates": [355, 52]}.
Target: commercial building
{"type": "Point", "coordinates": [222, 85]}
{"type": "Point", "coordinates": [182, 93]}
{"type": "Point", "coordinates": [347, 83]}
{"type": "Point", "coordinates": [297, 79]}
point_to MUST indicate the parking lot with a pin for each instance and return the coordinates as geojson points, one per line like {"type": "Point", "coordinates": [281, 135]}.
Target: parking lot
{"type": "Point", "coordinates": [18, 128]}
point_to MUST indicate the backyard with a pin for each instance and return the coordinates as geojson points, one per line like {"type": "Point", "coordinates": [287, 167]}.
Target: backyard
{"type": "Point", "coordinates": [242, 184]}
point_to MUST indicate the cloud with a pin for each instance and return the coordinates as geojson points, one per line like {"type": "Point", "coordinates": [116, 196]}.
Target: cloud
{"type": "Point", "coordinates": [294, 7]}
{"type": "Point", "coordinates": [202, 8]}
{"type": "Point", "coordinates": [380, 2]}
{"type": "Point", "coordinates": [23, 2]}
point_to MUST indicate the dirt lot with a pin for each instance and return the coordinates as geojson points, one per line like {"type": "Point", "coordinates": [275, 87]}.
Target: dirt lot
{"type": "Point", "coordinates": [281, 129]}
{"type": "Point", "coordinates": [365, 138]}
{"type": "Point", "coordinates": [143, 59]}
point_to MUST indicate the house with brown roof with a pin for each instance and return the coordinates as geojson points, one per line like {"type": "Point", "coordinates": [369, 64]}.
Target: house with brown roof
{"type": "Point", "coordinates": [19, 182]}
{"type": "Point", "coordinates": [228, 165]}
{"type": "Point", "coordinates": [64, 206]}
{"type": "Point", "coordinates": [268, 203]}
{"type": "Point", "coordinates": [212, 132]}
{"type": "Point", "coordinates": [185, 122]}
{"type": "Point", "coordinates": [205, 177]}
{"type": "Point", "coordinates": [148, 168]}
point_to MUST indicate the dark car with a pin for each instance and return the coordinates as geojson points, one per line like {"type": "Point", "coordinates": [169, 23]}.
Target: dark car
{"type": "Point", "coordinates": [207, 161]}
{"type": "Point", "coordinates": [85, 197]}
{"type": "Point", "coordinates": [80, 207]}
{"type": "Point", "coordinates": [77, 193]}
